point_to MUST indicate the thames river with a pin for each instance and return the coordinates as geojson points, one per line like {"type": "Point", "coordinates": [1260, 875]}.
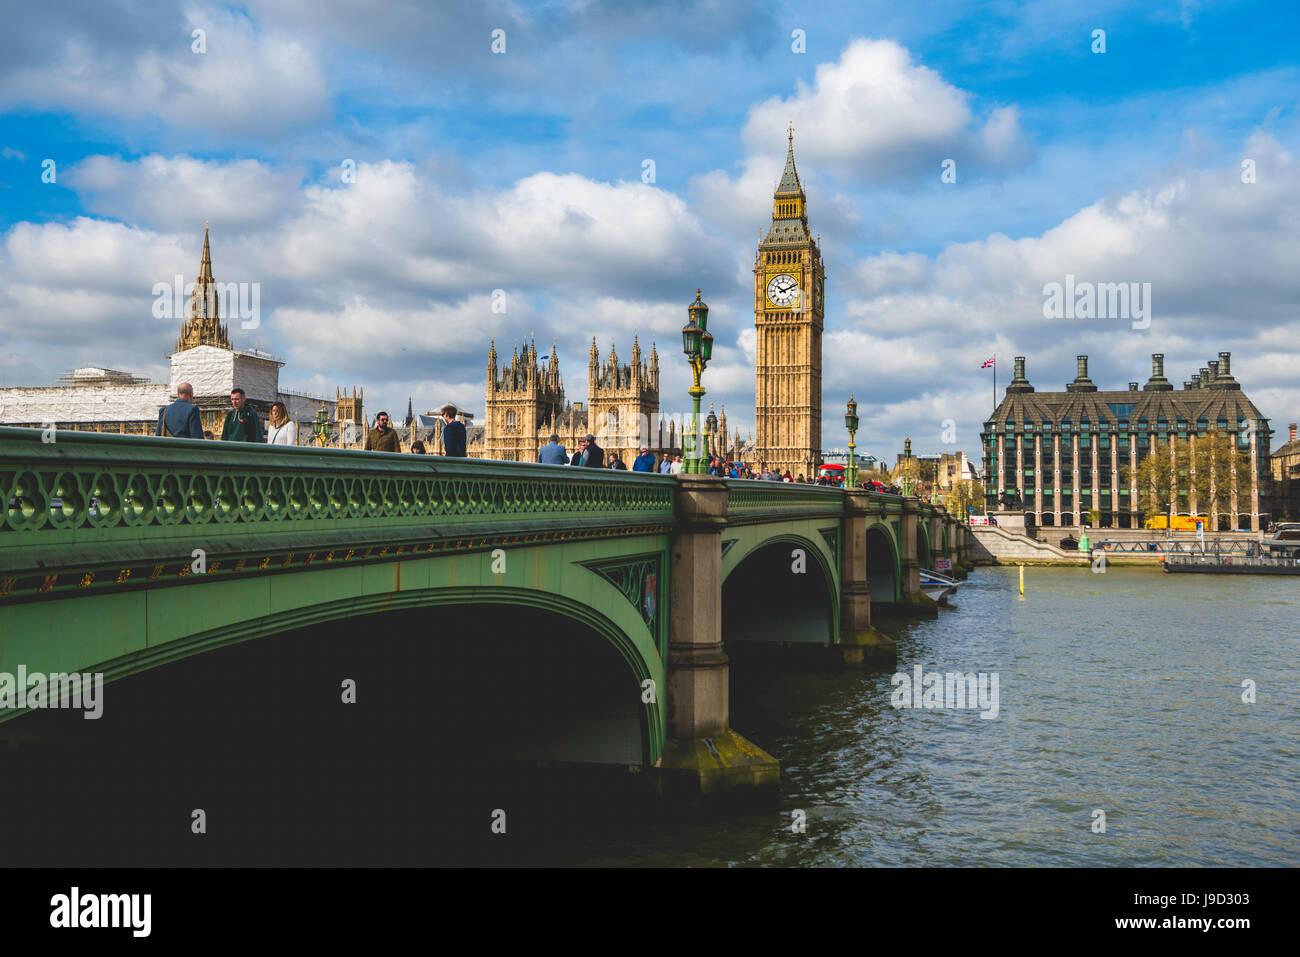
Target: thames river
{"type": "Point", "coordinates": [1120, 692]}
{"type": "Point", "coordinates": [1119, 695]}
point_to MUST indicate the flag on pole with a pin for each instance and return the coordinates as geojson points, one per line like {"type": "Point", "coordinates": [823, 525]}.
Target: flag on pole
{"type": "Point", "coordinates": [987, 363]}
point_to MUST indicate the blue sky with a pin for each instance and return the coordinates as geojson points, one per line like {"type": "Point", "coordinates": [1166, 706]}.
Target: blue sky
{"type": "Point", "coordinates": [522, 171]}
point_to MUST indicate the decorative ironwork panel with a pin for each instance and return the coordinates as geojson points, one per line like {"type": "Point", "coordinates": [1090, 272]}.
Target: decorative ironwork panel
{"type": "Point", "coordinates": [640, 578]}
{"type": "Point", "coordinates": [832, 536]}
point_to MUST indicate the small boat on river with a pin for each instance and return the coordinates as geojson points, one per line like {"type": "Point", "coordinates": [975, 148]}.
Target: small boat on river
{"type": "Point", "coordinates": [937, 586]}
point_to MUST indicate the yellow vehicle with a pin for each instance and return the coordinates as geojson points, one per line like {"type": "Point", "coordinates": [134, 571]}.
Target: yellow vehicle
{"type": "Point", "coordinates": [1181, 523]}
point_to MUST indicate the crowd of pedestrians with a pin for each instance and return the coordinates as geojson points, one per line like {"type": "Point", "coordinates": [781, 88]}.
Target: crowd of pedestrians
{"type": "Point", "coordinates": [181, 419]}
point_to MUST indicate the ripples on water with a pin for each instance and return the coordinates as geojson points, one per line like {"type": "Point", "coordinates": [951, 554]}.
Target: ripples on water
{"type": "Point", "coordinates": [1119, 691]}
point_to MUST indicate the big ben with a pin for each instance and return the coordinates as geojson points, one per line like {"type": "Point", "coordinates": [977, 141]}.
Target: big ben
{"type": "Point", "coordinates": [789, 305]}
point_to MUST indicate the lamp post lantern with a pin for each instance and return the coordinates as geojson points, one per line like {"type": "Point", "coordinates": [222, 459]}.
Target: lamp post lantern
{"type": "Point", "coordinates": [851, 423]}
{"type": "Point", "coordinates": [907, 466]}
{"type": "Point", "coordinates": [697, 344]}
{"type": "Point", "coordinates": [321, 426]}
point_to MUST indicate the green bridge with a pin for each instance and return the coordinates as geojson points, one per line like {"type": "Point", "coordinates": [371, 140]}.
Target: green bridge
{"type": "Point", "coordinates": [122, 555]}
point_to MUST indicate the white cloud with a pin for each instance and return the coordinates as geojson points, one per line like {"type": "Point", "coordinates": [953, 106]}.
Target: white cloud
{"type": "Point", "coordinates": [249, 81]}
{"type": "Point", "coordinates": [1219, 255]}
{"type": "Point", "coordinates": [875, 115]}
{"type": "Point", "coordinates": [178, 192]}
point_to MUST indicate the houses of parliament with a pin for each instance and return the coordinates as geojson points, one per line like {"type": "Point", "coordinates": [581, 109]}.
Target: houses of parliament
{"type": "Point", "coordinates": [525, 402]}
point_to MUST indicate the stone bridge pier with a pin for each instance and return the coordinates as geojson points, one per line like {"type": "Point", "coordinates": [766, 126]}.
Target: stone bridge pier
{"type": "Point", "coordinates": [703, 756]}
{"type": "Point", "coordinates": [861, 644]}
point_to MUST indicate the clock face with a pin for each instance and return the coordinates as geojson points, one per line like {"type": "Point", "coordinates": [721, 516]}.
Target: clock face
{"type": "Point", "coordinates": [783, 290]}
{"type": "Point", "coordinates": [819, 293]}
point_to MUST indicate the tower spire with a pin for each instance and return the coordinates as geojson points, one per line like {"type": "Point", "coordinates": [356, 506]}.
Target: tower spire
{"type": "Point", "coordinates": [789, 184]}
{"type": "Point", "coordinates": [205, 266]}
{"type": "Point", "coordinates": [204, 328]}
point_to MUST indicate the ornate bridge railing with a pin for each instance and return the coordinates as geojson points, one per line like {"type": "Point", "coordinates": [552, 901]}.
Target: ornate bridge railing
{"type": "Point", "coordinates": [88, 509]}
{"type": "Point", "coordinates": [750, 501]}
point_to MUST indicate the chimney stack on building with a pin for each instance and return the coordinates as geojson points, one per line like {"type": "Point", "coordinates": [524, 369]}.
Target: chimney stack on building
{"type": "Point", "coordinates": [1158, 382]}
{"type": "Point", "coordinates": [1018, 381]}
{"type": "Point", "coordinates": [1081, 381]}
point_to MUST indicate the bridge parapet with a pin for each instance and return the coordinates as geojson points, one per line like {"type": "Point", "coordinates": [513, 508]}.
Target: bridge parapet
{"type": "Point", "coordinates": [748, 500]}
{"type": "Point", "coordinates": [87, 503]}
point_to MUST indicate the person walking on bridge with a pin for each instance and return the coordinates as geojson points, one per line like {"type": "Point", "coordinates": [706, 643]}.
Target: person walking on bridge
{"type": "Point", "coordinates": [382, 438]}
{"type": "Point", "coordinates": [281, 429]}
{"type": "Point", "coordinates": [553, 453]}
{"type": "Point", "coordinates": [454, 438]}
{"type": "Point", "coordinates": [593, 456]}
{"type": "Point", "coordinates": [181, 419]}
{"type": "Point", "coordinates": [242, 422]}
{"type": "Point", "coordinates": [645, 462]}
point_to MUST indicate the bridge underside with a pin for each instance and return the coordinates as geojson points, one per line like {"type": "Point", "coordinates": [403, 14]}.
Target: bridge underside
{"type": "Point", "coordinates": [783, 590]}
{"type": "Point", "coordinates": [454, 712]}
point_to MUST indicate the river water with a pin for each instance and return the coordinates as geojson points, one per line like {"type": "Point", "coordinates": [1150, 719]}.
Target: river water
{"type": "Point", "coordinates": [1119, 692]}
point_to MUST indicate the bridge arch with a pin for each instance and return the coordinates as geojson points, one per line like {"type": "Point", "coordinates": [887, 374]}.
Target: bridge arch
{"type": "Point", "coordinates": [924, 553]}
{"type": "Point", "coordinates": [884, 567]}
{"type": "Point", "coordinates": [770, 593]}
{"type": "Point", "coordinates": [596, 605]}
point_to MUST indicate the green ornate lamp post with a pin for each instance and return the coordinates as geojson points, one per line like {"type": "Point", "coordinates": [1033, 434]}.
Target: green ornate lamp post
{"type": "Point", "coordinates": [907, 466]}
{"type": "Point", "coordinates": [697, 343]}
{"type": "Point", "coordinates": [321, 427]}
{"type": "Point", "coordinates": [851, 423]}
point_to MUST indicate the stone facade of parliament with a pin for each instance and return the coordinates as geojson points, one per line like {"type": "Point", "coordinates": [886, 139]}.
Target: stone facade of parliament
{"type": "Point", "coordinates": [526, 404]}
{"type": "Point", "coordinates": [97, 399]}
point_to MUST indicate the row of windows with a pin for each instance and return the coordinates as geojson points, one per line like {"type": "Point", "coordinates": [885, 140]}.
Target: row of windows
{"type": "Point", "coordinates": [1008, 444]}
{"type": "Point", "coordinates": [788, 257]}
{"type": "Point", "coordinates": [1202, 424]}
{"type": "Point", "coordinates": [1143, 425]}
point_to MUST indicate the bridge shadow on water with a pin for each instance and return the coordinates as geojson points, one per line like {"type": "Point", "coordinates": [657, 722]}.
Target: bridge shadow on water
{"type": "Point", "coordinates": [462, 717]}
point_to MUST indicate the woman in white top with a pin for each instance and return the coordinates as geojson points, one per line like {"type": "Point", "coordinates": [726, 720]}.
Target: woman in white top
{"type": "Point", "coordinates": [280, 430]}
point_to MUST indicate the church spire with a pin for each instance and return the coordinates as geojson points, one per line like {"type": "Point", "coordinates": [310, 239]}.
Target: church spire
{"type": "Point", "coordinates": [204, 328]}
{"type": "Point", "coordinates": [205, 267]}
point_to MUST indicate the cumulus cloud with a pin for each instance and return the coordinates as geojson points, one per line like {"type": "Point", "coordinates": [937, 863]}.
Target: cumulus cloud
{"type": "Point", "coordinates": [176, 193]}
{"type": "Point", "coordinates": [384, 279]}
{"type": "Point", "coordinates": [1215, 250]}
{"type": "Point", "coordinates": [876, 115]}
{"type": "Point", "coordinates": [119, 59]}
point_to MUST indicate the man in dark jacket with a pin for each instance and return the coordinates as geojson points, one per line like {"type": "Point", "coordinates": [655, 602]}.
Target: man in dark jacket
{"type": "Point", "coordinates": [381, 438]}
{"type": "Point", "coordinates": [181, 419]}
{"type": "Point", "coordinates": [242, 421]}
{"type": "Point", "coordinates": [645, 462]}
{"type": "Point", "coordinates": [593, 456]}
{"type": "Point", "coordinates": [454, 439]}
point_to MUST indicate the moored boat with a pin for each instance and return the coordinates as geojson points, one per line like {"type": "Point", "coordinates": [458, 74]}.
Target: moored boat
{"type": "Point", "coordinates": [937, 586]}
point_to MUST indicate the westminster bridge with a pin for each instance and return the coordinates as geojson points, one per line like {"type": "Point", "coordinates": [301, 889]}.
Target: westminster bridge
{"type": "Point", "coordinates": [126, 555]}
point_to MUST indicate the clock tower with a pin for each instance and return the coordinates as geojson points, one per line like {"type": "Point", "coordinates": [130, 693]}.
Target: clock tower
{"type": "Point", "coordinates": [788, 309]}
